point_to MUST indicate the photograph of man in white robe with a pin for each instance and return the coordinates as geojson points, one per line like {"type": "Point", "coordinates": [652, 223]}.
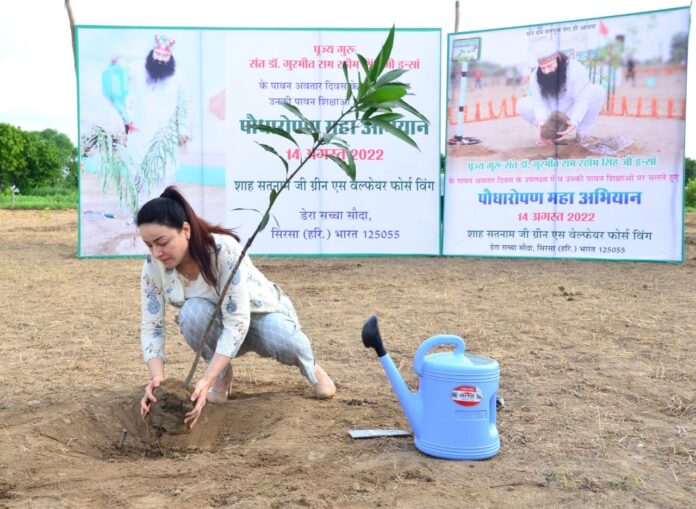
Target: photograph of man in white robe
{"type": "Point", "coordinates": [562, 98]}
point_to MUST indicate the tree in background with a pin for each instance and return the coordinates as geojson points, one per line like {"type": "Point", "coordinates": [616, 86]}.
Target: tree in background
{"type": "Point", "coordinates": [12, 160]}
{"type": "Point", "coordinates": [32, 159]}
{"type": "Point", "coordinates": [43, 163]}
{"type": "Point", "coordinates": [690, 182]}
{"type": "Point", "coordinates": [689, 170]}
{"type": "Point", "coordinates": [67, 154]}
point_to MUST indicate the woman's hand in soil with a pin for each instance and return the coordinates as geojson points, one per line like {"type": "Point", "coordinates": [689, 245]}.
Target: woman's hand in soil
{"type": "Point", "coordinates": [149, 396]}
{"type": "Point", "coordinates": [200, 393]}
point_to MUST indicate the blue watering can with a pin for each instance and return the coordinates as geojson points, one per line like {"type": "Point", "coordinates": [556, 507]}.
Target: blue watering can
{"type": "Point", "coordinates": [453, 413]}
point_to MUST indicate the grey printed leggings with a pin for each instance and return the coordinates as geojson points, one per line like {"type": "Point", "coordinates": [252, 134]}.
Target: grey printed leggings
{"type": "Point", "coordinates": [275, 335]}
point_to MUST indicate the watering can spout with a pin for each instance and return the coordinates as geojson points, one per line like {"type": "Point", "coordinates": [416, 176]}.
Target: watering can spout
{"type": "Point", "coordinates": [410, 402]}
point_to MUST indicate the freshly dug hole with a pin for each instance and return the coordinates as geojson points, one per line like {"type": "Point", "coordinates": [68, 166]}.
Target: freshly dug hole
{"type": "Point", "coordinates": [173, 402]}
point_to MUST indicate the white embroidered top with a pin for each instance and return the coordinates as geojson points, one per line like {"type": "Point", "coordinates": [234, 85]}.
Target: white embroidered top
{"type": "Point", "coordinates": [249, 292]}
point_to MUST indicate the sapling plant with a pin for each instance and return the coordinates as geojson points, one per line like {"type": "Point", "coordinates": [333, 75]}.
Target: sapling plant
{"type": "Point", "coordinates": [378, 100]}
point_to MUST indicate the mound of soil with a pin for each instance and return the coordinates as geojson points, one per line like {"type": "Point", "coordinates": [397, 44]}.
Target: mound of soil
{"type": "Point", "coordinates": [173, 403]}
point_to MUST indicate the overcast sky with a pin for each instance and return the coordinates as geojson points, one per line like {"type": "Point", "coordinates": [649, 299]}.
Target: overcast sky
{"type": "Point", "coordinates": [38, 85]}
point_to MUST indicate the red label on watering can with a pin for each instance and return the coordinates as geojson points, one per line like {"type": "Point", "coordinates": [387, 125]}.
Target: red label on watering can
{"type": "Point", "coordinates": [467, 395]}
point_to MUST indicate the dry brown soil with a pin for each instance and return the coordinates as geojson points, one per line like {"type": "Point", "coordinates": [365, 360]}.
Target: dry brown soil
{"type": "Point", "coordinates": [598, 373]}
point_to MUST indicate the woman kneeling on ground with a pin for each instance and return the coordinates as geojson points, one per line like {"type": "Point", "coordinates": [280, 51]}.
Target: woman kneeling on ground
{"type": "Point", "coordinates": [189, 263]}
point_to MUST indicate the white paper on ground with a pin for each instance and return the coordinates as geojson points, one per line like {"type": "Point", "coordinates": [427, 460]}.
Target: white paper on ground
{"type": "Point", "coordinates": [374, 433]}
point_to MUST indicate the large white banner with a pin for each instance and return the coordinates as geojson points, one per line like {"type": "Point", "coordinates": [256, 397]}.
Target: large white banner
{"type": "Point", "coordinates": [174, 106]}
{"type": "Point", "coordinates": [393, 206]}
{"type": "Point", "coordinates": [566, 140]}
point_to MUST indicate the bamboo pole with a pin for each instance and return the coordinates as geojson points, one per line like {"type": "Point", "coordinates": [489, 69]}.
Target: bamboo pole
{"type": "Point", "coordinates": [71, 19]}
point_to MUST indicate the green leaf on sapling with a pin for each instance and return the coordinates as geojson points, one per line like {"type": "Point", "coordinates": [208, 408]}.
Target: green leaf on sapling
{"type": "Point", "coordinates": [349, 88]}
{"type": "Point", "coordinates": [388, 117]}
{"type": "Point", "coordinates": [311, 132]}
{"type": "Point", "coordinates": [385, 94]}
{"type": "Point", "coordinates": [275, 130]}
{"type": "Point", "coordinates": [395, 131]}
{"type": "Point", "coordinates": [296, 111]}
{"type": "Point", "coordinates": [349, 155]}
{"type": "Point", "coordinates": [383, 56]}
{"type": "Point", "coordinates": [264, 221]}
{"type": "Point", "coordinates": [344, 166]}
{"type": "Point", "coordinates": [270, 149]}
{"type": "Point", "coordinates": [404, 105]}
{"type": "Point", "coordinates": [390, 76]}
{"type": "Point", "coordinates": [363, 62]}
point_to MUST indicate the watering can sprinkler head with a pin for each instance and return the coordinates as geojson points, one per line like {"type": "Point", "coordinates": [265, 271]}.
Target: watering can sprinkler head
{"type": "Point", "coordinates": [371, 337]}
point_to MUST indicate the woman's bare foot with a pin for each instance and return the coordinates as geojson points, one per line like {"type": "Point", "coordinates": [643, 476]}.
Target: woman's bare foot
{"type": "Point", "coordinates": [324, 388]}
{"type": "Point", "coordinates": [220, 389]}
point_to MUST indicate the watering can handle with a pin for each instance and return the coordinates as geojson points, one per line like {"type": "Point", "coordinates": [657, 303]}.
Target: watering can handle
{"type": "Point", "coordinates": [430, 343]}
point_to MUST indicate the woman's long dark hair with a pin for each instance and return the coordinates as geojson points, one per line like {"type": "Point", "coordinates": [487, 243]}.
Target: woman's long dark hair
{"type": "Point", "coordinates": [171, 209]}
